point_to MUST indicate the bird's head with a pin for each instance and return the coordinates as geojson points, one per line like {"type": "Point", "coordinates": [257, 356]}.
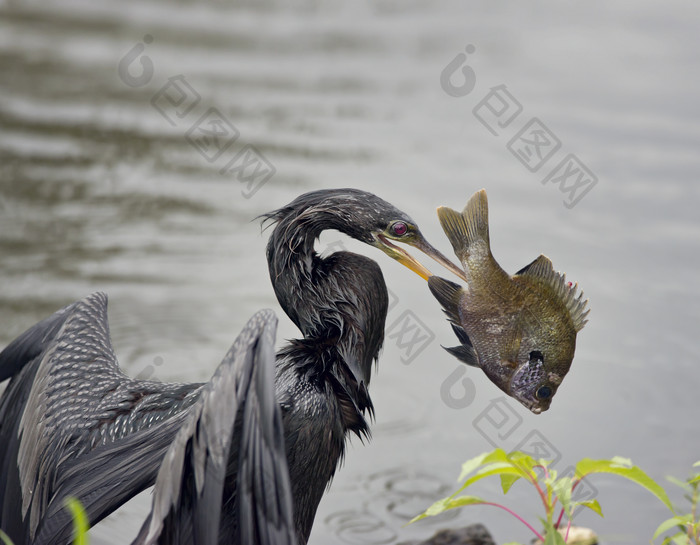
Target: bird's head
{"type": "Point", "coordinates": [364, 217]}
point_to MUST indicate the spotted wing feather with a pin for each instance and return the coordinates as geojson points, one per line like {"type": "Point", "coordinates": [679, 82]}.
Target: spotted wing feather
{"type": "Point", "coordinates": [64, 415]}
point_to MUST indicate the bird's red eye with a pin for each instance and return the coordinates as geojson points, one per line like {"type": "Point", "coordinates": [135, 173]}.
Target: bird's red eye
{"type": "Point", "coordinates": [399, 228]}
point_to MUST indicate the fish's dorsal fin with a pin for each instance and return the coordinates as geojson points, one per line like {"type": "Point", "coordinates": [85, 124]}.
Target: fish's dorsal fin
{"type": "Point", "coordinates": [468, 227]}
{"type": "Point", "coordinates": [543, 269]}
{"type": "Point", "coordinates": [448, 295]}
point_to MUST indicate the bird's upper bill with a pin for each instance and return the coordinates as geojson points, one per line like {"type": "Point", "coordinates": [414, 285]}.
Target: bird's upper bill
{"type": "Point", "coordinates": [406, 259]}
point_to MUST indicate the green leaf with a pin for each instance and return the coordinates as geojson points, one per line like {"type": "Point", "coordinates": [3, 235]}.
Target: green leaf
{"type": "Point", "coordinates": [593, 505]}
{"type": "Point", "coordinates": [507, 480]}
{"type": "Point", "coordinates": [80, 521]}
{"type": "Point", "coordinates": [435, 509]}
{"type": "Point", "coordinates": [471, 464]}
{"type": "Point", "coordinates": [552, 536]}
{"type": "Point", "coordinates": [693, 480]}
{"type": "Point", "coordinates": [445, 504]}
{"type": "Point", "coordinates": [666, 525]}
{"type": "Point", "coordinates": [562, 489]}
{"type": "Point", "coordinates": [679, 538]}
{"type": "Point", "coordinates": [5, 538]}
{"type": "Point", "coordinates": [495, 456]}
{"type": "Point", "coordinates": [620, 461]}
{"type": "Point", "coordinates": [498, 468]}
{"type": "Point", "coordinates": [683, 484]}
{"type": "Point", "coordinates": [463, 500]}
{"type": "Point", "coordinates": [623, 468]}
{"type": "Point", "coordinates": [524, 461]}
{"type": "Point", "coordinates": [697, 464]}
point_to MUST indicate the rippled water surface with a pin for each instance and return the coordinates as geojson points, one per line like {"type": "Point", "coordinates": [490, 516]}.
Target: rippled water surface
{"type": "Point", "coordinates": [107, 182]}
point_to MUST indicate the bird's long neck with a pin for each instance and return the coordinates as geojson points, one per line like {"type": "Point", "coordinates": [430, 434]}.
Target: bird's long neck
{"type": "Point", "coordinates": [295, 267]}
{"type": "Point", "coordinates": [339, 303]}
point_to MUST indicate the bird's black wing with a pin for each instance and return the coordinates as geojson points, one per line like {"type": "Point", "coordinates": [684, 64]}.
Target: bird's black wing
{"type": "Point", "coordinates": [18, 362]}
{"type": "Point", "coordinates": [63, 418]}
{"type": "Point", "coordinates": [225, 477]}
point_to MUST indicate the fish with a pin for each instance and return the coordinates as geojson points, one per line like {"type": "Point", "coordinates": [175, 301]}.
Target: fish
{"type": "Point", "coordinates": [519, 330]}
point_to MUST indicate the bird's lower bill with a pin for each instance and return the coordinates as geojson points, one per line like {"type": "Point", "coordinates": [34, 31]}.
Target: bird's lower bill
{"type": "Point", "coordinates": [407, 260]}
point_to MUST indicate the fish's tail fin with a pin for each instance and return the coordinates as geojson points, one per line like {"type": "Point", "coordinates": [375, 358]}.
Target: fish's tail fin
{"type": "Point", "coordinates": [468, 227]}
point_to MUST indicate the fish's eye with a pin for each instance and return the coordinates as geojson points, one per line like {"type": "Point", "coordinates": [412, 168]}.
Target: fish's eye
{"type": "Point", "coordinates": [544, 392]}
{"type": "Point", "coordinates": [399, 228]}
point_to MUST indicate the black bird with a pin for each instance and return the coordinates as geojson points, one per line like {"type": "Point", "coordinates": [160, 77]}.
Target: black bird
{"type": "Point", "coordinates": [72, 424]}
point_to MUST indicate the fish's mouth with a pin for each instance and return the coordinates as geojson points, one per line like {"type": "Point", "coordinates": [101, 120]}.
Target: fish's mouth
{"type": "Point", "coordinates": [523, 387]}
{"type": "Point", "coordinates": [534, 406]}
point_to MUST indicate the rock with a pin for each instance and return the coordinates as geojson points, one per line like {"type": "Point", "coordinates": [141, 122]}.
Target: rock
{"type": "Point", "coordinates": [474, 534]}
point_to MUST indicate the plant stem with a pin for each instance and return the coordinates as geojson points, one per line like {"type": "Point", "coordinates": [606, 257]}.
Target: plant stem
{"type": "Point", "coordinates": [539, 536]}
{"type": "Point", "coordinates": [694, 504]}
{"type": "Point", "coordinates": [534, 481]}
{"type": "Point", "coordinates": [561, 516]}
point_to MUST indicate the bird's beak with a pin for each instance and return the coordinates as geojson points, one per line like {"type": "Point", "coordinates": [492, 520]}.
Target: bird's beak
{"type": "Point", "coordinates": [407, 260]}
{"type": "Point", "coordinates": [425, 247]}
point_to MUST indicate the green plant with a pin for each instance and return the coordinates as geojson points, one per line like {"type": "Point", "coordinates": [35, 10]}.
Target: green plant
{"type": "Point", "coordinates": [5, 538]}
{"type": "Point", "coordinates": [688, 525]}
{"type": "Point", "coordinates": [554, 492]}
{"type": "Point", "coordinates": [80, 524]}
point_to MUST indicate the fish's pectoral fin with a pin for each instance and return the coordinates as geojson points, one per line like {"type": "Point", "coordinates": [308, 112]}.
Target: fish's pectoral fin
{"type": "Point", "coordinates": [468, 227]}
{"type": "Point", "coordinates": [465, 354]}
{"type": "Point", "coordinates": [509, 344]}
{"type": "Point", "coordinates": [448, 295]}
{"type": "Point", "coordinates": [543, 269]}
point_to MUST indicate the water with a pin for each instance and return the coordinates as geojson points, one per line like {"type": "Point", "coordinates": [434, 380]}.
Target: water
{"type": "Point", "coordinates": [101, 190]}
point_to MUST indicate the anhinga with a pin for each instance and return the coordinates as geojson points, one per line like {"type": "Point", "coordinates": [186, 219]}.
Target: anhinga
{"type": "Point", "coordinates": [73, 425]}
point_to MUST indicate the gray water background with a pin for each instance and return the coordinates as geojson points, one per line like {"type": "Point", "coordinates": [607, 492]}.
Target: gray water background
{"type": "Point", "coordinates": [98, 191]}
